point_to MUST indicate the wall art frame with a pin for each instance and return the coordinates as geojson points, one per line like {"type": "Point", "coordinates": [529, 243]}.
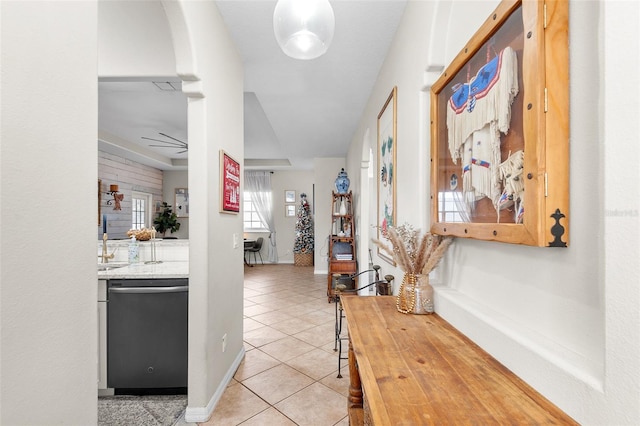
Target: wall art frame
{"type": "Point", "coordinates": [230, 196]}
{"type": "Point", "coordinates": [181, 202]}
{"type": "Point", "coordinates": [387, 168]}
{"type": "Point", "coordinates": [289, 196]}
{"type": "Point", "coordinates": [522, 48]}
{"type": "Point", "coordinates": [290, 210]}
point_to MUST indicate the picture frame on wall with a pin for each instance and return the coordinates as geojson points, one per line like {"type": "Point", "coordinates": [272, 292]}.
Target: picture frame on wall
{"type": "Point", "coordinates": [499, 130]}
{"type": "Point", "coordinates": [181, 202]}
{"type": "Point", "coordinates": [289, 196]}
{"type": "Point", "coordinates": [230, 196]}
{"type": "Point", "coordinates": [290, 210]}
{"type": "Point", "coordinates": [387, 144]}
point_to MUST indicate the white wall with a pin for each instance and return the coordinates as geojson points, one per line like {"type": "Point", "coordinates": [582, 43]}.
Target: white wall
{"type": "Point", "coordinates": [48, 313]}
{"type": "Point", "coordinates": [133, 40]}
{"type": "Point", "coordinates": [564, 320]}
{"type": "Point", "coordinates": [215, 122]}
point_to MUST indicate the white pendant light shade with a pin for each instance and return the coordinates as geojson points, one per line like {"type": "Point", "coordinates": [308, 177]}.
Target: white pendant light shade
{"type": "Point", "coordinates": [303, 28]}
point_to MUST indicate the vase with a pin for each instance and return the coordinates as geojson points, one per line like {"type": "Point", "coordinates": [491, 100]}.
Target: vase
{"type": "Point", "coordinates": [342, 182]}
{"type": "Point", "coordinates": [424, 296]}
{"type": "Point", "coordinates": [415, 295]}
{"type": "Point", "coordinates": [343, 208]}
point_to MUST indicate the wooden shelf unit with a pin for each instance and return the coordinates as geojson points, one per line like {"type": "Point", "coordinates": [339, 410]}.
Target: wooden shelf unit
{"type": "Point", "coordinates": [341, 240]}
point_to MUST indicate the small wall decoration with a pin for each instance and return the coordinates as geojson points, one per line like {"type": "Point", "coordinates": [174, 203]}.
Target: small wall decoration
{"type": "Point", "coordinates": [229, 184]}
{"type": "Point", "coordinates": [289, 196]}
{"type": "Point", "coordinates": [290, 210]}
{"type": "Point", "coordinates": [387, 142]}
{"type": "Point", "coordinates": [500, 129]}
{"type": "Point", "coordinates": [182, 202]}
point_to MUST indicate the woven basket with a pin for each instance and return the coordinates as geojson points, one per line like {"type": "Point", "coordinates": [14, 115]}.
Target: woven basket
{"type": "Point", "coordinates": [303, 259]}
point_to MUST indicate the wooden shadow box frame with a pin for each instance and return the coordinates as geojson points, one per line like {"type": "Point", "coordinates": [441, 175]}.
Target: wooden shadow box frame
{"type": "Point", "coordinates": [537, 33]}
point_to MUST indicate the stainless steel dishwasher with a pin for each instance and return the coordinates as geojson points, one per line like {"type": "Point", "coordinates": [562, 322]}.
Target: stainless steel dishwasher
{"type": "Point", "coordinates": [147, 333]}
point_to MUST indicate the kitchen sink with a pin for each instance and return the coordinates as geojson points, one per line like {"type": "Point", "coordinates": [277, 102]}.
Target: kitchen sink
{"type": "Point", "coordinates": [112, 265]}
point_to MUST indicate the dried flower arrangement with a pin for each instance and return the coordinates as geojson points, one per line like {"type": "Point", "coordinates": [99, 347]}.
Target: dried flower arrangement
{"type": "Point", "coordinates": [415, 255]}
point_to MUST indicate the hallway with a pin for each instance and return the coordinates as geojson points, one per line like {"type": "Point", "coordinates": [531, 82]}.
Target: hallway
{"type": "Point", "coordinates": [288, 375]}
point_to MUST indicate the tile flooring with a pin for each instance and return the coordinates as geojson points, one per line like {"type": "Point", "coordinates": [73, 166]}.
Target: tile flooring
{"type": "Point", "coordinates": [289, 373]}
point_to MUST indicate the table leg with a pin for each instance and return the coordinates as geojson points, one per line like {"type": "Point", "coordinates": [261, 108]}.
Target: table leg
{"type": "Point", "coordinates": [355, 386]}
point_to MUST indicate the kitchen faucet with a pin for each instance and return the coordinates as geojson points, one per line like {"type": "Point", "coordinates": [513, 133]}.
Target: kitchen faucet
{"type": "Point", "coordinates": [105, 254]}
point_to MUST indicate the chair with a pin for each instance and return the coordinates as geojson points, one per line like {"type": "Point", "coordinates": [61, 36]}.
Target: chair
{"type": "Point", "coordinates": [248, 244]}
{"type": "Point", "coordinates": [257, 246]}
{"type": "Point", "coordinates": [383, 288]}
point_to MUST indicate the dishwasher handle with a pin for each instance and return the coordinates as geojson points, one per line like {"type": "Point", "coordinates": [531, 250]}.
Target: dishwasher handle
{"type": "Point", "coordinates": [148, 290]}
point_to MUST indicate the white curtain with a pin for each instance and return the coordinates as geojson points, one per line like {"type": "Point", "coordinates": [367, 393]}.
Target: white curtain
{"type": "Point", "coordinates": [259, 185]}
{"type": "Point", "coordinates": [461, 207]}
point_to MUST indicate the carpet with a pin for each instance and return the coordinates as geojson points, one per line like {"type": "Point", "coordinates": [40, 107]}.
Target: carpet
{"type": "Point", "coordinates": [149, 410]}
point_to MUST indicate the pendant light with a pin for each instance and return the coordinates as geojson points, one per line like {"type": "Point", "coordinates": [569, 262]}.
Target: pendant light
{"type": "Point", "coordinates": [303, 28]}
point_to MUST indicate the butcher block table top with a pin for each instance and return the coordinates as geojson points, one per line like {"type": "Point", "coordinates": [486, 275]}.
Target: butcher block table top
{"type": "Point", "coordinates": [418, 370]}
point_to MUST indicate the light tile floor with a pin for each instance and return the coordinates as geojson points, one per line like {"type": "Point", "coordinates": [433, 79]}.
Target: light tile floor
{"type": "Point", "coordinates": [289, 373]}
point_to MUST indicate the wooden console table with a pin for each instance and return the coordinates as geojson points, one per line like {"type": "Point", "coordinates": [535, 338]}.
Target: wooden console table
{"type": "Point", "coordinates": [418, 370]}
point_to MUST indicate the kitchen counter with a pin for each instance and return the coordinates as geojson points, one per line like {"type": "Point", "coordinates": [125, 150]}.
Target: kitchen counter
{"type": "Point", "coordinates": [176, 269]}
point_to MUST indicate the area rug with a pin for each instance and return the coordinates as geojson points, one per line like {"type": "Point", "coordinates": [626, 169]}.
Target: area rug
{"type": "Point", "coordinates": [154, 410]}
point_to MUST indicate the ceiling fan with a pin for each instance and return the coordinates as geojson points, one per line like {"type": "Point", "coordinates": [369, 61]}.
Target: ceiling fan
{"type": "Point", "coordinates": [177, 144]}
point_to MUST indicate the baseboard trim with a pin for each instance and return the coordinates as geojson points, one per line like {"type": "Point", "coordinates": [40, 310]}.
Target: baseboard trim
{"type": "Point", "coordinates": [202, 414]}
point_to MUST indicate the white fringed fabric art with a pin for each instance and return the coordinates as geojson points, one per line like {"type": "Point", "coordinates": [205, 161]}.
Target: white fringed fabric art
{"type": "Point", "coordinates": [477, 113]}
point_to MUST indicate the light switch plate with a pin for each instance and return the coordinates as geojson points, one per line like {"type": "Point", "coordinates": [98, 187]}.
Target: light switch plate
{"type": "Point", "coordinates": [236, 241]}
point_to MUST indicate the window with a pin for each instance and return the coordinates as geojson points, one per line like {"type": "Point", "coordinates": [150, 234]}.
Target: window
{"type": "Point", "coordinates": [252, 220]}
{"type": "Point", "coordinates": [451, 208]}
{"type": "Point", "coordinates": [140, 210]}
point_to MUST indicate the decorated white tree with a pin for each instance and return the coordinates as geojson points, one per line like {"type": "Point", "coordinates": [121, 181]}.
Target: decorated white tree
{"type": "Point", "coordinates": [304, 228]}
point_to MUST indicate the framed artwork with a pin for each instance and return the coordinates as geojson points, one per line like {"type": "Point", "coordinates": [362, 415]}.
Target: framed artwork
{"type": "Point", "coordinates": [387, 141]}
{"type": "Point", "coordinates": [230, 196]}
{"type": "Point", "coordinates": [500, 130]}
{"type": "Point", "coordinates": [289, 196]}
{"type": "Point", "coordinates": [182, 202]}
{"type": "Point", "coordinates": [290, 210]}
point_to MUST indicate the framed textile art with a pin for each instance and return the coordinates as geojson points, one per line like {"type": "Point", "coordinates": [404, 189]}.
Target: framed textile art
{"type": "Point", "coordinates": [387, 141]}
{"type": "Point", "coordinates": [229, 184]}
{"type": "Point", "coordinates": [500, 130]}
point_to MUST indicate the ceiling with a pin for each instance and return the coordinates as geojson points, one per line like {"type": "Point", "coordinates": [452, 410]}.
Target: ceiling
{"type": "Point", "coordinates": [294, 110]}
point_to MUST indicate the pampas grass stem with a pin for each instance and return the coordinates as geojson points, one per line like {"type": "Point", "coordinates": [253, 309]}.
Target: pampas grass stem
{"type": "Point", "coordinates": [412, 254]}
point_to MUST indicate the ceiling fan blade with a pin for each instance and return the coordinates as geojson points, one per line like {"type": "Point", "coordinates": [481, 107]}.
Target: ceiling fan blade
{"type": "Point", "coordinates": [171, 137]}
{"type": "Point", "coordinates": [167, 142]}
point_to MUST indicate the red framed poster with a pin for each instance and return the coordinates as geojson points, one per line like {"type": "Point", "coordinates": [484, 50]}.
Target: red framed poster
{"type": "Point", "coordinates": [230, 184]}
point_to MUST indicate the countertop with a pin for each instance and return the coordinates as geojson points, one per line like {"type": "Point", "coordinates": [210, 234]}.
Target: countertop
{"type": "Point", "coordinates": [176, 269]}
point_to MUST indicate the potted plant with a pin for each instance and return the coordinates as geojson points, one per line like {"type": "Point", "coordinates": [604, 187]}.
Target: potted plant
{"type": "Point", "coordinates": [166, 220]}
